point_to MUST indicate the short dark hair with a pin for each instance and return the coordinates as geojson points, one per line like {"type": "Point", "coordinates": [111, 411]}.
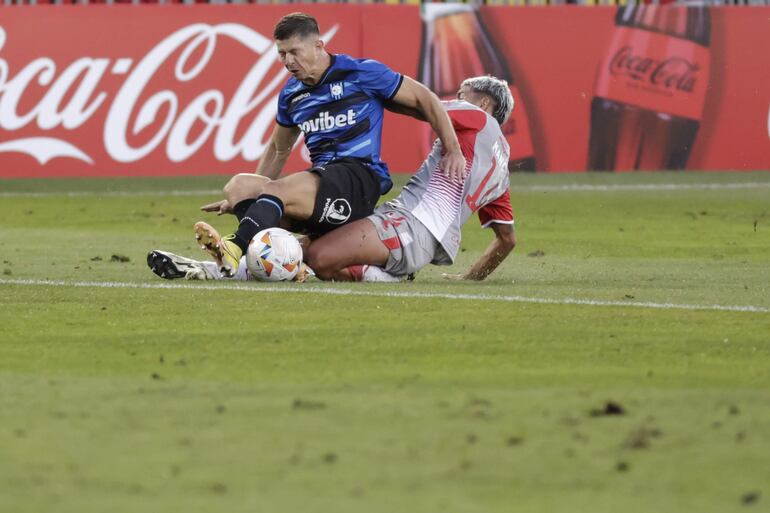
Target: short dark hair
{"type": "Point", "coordinates": [296, 24]}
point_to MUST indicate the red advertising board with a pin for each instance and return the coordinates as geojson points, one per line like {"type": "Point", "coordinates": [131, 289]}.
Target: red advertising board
{"type": "Point", "coordinates": [557, 56]}
{"type": "Point", "coordinates": [185, 90]}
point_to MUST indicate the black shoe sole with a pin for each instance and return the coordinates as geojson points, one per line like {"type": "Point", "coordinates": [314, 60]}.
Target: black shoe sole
{"type": "Point", "coordinates": [163, 266]}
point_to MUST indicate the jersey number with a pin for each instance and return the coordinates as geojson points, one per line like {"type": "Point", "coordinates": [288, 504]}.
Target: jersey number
{"type": "Point", "coordinates": [472, 200]}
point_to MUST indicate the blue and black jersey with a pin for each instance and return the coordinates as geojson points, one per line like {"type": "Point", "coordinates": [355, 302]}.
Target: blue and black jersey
{"type": "Point", "coordinates": [341, 115]}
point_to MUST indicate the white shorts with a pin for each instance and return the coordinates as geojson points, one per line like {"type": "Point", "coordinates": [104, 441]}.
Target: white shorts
{"type": "Point", "coordinates": [411, 245]}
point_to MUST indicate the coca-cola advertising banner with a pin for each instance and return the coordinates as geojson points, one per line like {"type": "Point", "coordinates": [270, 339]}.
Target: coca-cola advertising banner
{"type": "Point", "coordinates": [186, 90]}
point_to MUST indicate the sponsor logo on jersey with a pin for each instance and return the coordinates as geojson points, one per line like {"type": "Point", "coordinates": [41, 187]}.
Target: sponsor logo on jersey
{"type": "Point", "coordinates": [336, 90]}
{"type": "Point", "coordinates": [336, 211]}
{"type": "Point", "coordinates": [326, 121]}
{"type": "Point", "coordinates": [298, 98]}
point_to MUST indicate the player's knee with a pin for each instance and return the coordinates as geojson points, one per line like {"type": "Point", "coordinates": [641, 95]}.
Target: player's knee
{"type": "Point", "coordinates": [511, 240]}
{"type": "Point", "coordinates": [320, 259]}
{"type": "Point", "coordinates": [233, 189]}
{"type": "Point", "coordinates": [314, 258]}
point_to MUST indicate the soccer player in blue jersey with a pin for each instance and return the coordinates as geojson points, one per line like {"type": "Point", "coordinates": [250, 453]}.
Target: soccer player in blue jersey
{"type": "Point", "coordinates": [337, 102]}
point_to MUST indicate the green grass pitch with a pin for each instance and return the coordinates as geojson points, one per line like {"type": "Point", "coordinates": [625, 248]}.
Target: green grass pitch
{"type": "Point", "coordinates": [118, 395]}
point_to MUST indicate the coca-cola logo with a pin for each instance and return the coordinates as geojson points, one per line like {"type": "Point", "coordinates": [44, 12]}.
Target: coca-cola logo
{"type": "Point", "coordinates": [672, 73]}
{"type": "Point", "coordinates": [73, 94]}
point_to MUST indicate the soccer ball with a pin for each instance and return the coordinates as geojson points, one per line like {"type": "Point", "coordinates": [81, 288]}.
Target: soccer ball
{"type": "Point", "coordinates": [274, 255]}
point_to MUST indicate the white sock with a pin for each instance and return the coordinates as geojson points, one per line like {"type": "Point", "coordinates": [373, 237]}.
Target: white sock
{"type": "Point", "coordinates": [373, 273]}
{"type": "Point", "coordinates": [213, 269]}
{"type": "Point", "coordinates": [242, 274]}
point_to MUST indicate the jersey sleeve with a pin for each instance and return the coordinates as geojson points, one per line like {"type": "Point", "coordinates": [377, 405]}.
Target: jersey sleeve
{"type": "Point", "coordinates": [467, 124]}
{"type": "Point", "coordinates": [379, 80]}
{"type": "Point", "coordinates": [467, 119]}
{"type": "Point", "coordinates": [498, 211]}
{"type": "Point", "coordinates": [282, 117]}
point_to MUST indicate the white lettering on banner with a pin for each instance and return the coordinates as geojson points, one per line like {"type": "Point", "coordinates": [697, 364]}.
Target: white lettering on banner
{"type": "Point", "coordinates": [72, 99]}
{"type": "Point", "coordinates": [44, 149]}
{"type": "Point", "coordinates": [77, 110]}
{"type": "Point", "coordinates": [12, 90]}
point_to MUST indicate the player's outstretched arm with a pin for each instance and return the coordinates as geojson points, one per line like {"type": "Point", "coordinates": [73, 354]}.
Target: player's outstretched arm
{"type": "Point", "coordinates": [278, 150]}
{"type": "Point", "coordinates": [414, 95]}
{"type": "Point", "coordinates": [497, 251]}
{"type": "Point", "coordinates": [406, 111]}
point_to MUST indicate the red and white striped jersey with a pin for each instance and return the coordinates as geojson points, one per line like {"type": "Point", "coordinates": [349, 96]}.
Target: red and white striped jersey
{"type": "Point", "coordinates": [442, 205]}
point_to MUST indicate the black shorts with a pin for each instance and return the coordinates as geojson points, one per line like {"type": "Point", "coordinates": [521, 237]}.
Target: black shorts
{"type": "Point", "coordinates": [349, 191]}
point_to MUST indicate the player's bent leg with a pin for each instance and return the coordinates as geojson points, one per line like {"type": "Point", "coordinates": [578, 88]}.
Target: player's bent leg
{"type": "Point", "coordinates": [267, 211]}
{"type": "Point", "coordinates": [243, 190]}
{"type": "Point", "coordinates": [354, 244]}
{"type": "Point", "coordinates": [297, 192]}
{"type": "Point", "coordinates": [293, 196]}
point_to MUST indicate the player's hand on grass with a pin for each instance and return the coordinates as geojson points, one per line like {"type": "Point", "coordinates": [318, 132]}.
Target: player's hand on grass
{"type": "Point", "coordinates": [453, 165]}
{"type": "Point", "coordinates": [470, 275]}
{"type": "Point", "coordinates": [220, 207]}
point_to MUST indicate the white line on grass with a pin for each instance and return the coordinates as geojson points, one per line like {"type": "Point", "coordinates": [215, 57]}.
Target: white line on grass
{"type": "Point", "coordinates": [310, 289]}
{"type": "Point", "coordinates": [516, 188]}
{"type": "Point", "coordinates": [643, 187]}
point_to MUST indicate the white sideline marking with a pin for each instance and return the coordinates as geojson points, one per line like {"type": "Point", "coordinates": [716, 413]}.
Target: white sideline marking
{"type": "Point", "coordinates": [309, 289]}
{"type": "Point", "coordinates": [522, 188]}
{"type": "Point", "coordinates": [644, 187]}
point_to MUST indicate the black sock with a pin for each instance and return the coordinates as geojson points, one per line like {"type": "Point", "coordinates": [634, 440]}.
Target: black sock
{"type": "Point", "coordinates": [241, 207]}
{"type": "Point", "coordinates": [265, 212]}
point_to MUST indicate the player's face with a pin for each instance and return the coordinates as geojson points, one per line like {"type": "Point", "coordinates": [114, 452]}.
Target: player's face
{"type": "Point", "coordinates": [300, 55]}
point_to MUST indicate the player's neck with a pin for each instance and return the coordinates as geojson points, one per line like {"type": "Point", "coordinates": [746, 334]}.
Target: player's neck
{"type": "Point", "coordinates": [317, 74]}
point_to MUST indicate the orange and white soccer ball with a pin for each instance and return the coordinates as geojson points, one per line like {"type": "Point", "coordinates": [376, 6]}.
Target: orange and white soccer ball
{"type": "Point", "coordinates": [274, 255]}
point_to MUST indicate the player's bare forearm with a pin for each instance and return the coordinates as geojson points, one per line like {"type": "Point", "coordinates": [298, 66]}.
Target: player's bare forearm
{"type": "Point", "coordinates": [272, 162]}
{"type": "Point", "coordinates": [421, 99]}
{"type": "Point", "coordinates": [277, 152]}
{"type": "Point", "coordinates": [442, 125]}
{"type": "Point", "coordinates": [496, 252]}
{"type": "Point", "coordinates": [406, 111]}
{"type": "Point", "coordinates": [452, 162]}
{"type": "Point", "coordinates": [413, 95]}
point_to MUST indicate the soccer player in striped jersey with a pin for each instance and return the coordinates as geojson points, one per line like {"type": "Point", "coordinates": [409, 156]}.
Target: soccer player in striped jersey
{"type": "Point", "coordinates": [337, 102]}
{"type": "Point", "coordinates": [422, 225]}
